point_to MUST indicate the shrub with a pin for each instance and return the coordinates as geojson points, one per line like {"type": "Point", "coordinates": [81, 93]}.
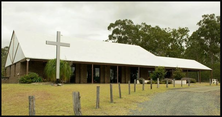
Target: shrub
{"type": "Point", "coordinates": [164, 81]}
{"type": "Point", "coordinates": [158, 73]}
{"type": "Point", "coordinates": [30, 78]}
{"type": "Point", "coordinates": [153, 82]}
{"type": "Point", "coordinates": [65, 70]}
{"type": "Point", "coordinates": [192, 80]}
{"type": "Point", "coordinates": [178, 74]}
{"type": "Point", "coordinates": [141, 80]}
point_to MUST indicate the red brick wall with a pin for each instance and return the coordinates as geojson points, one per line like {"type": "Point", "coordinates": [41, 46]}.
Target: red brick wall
{"type": "Point", "coordinates": [127, 74]}
{"type": "Point", "coordinates": [107, 74]}
{"type": "Point", "coordinates": [83, 73]}
{"type": "Point", "coordinates": [123, 77]}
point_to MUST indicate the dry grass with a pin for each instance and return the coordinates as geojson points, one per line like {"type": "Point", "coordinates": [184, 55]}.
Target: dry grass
{"type": "Point", "coordinates": [57, 100]}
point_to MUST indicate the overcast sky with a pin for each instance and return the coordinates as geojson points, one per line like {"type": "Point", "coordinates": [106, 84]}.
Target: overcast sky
{"type": "Point", "coordinates": [89, 20]}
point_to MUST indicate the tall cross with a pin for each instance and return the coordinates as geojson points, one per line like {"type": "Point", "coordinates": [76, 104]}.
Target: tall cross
{"type": "Point", "coordinates": [58, 44]}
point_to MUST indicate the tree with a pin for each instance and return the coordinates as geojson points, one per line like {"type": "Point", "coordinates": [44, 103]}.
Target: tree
{"type": "Point", "coordinates": [204, 43]}
{"type": "Point", "coordinates": [4, 53]}
{"type": "Point", "coordinates": [123, 31]}
{"type": "Point", "coordinates": [179, 38]}
{"type": "Point", "coordinates": [178, 74]}
{"type": "Point", "coordinates": [158, 73]}
{"type": "Point", "coordinates": [150, 38]}
{"type": "Point", "coordinates": [65, 70]}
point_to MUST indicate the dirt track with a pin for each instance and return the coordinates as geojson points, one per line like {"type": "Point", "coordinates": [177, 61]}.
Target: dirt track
{"type": "Point", "coordinates": [187, 101]}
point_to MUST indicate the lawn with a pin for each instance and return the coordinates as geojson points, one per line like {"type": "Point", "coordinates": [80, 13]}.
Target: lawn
{"type": "Point", "coordinates": [57, 100]}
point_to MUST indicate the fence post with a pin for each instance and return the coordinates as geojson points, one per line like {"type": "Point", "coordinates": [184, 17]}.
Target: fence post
{"type": "Point", "coordinates": [210, 82]}
{"type": "Point", "coordinates": [157, 82]}
{"type": "Point", "coordinates": [167, 83]}
{"type": "Point", "coordinates": [188, 82]}
{"type": "Point", "coordinates": [76, 103]}
{"type": "Point", "coordinates": [119, 91]}
{"type": "Point", "coordinates": [143, 85]}
{"type": "Point", "coordinates": [129, 86]}
{"type": "Point", "coordinates": [151, 83]}
{"type": "Point", "coordinates": [134, 85]}
{"type": "Point", "coordinates": [97, 96]}
{"type": "Point", "coordinates": [174, 82]}
{"type": "Point", "coordinates": [111, 93]}
{"type": "Point", "coordinates": [181, 83]}
{"type": "Point", "coordinates": [216, 82]}
{"type": "Point", "coordinates": [31, 105]}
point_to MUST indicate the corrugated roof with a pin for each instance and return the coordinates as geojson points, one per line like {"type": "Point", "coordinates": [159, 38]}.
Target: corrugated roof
{"type": "Point", "coordinates": [95, 51]}
{"type": "Point", "coordinates": [84, 50]}
{"type": "Point", "coordinates": [183, 63]}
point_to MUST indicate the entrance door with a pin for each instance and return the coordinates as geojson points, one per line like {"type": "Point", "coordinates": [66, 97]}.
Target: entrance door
{"type": "Point", "coordinates": [113, 74]}
{"type": "Point", "coordinates": [89, 74]}
{"type": "Point", "coordinates": [73, 76]}
{"type": "Point", "coordinates": [96, 74]}
{"type": "Point", "coordinates": [133, 74]}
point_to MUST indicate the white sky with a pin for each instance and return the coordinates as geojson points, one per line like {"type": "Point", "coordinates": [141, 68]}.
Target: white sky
{"type": "Point", "coordinates": [89, 20]}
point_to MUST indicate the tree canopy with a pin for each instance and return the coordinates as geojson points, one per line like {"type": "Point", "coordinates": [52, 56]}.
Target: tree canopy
{"type": "Point", "coordinates": [203, 45]}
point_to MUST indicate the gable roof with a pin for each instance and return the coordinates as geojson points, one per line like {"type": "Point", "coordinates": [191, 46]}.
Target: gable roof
{"type": "Point", "coordinates": [34, 46]}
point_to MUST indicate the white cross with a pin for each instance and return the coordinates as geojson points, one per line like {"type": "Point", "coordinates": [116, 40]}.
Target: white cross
{"type": "Point", "coordinates": [58, 44]}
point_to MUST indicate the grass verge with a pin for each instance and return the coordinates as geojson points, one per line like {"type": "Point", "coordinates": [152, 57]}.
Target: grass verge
{"type": "Point", "coordinates": [57, 100]}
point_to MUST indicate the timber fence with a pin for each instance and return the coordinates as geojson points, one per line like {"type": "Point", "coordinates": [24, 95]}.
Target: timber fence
{"type": "Point", "coordinates": [76, 95]}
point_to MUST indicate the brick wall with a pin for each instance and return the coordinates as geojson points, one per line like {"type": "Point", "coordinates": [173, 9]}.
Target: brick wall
{"type": "Point", "coordinates": [77, 73]}
{"type": "Point", "coordinates": [83, 71]}
{"type": "Point", "coordinates": [13, 72]}
{"type": "Point", "coordinates": [123, 79]}
{"type": "Point", "coordinates": [22, 69]}
{"type": "Point", "coordinates": [127, 74]}
{"type": "Point", "coordinates": [107, 74]}
{"type": "Point", "coordinates": [37, 67]}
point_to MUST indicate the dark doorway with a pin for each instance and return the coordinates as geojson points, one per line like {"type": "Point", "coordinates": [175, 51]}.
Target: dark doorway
{"type": "Point", "coordinates": [89, 73]}
{"type": "Point", "coordinates": [96, 74]}
{"type": "Point", "coordinates": [133, 74]}
{"type": "Point", "coordinates": [73, 76]}
{"type": "Point", "coordinates": [113, 74]}
{"type": "Point", "coordinates": [119, 74]}
{"type": "Point", "coordinates": [168, 74]}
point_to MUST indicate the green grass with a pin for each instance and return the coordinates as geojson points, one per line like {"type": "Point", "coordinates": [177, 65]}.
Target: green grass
{"type": "Point", "coordinates": [57, 100]}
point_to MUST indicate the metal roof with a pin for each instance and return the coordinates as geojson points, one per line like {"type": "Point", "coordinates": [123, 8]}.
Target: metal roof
{"type": "Point", "coordinates": [34, 46]}
{"type": "Point", "coordinates": [183, 63]}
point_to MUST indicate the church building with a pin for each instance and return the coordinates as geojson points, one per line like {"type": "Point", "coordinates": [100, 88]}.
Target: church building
{"type": "Point", "coordinates": [91, 61]}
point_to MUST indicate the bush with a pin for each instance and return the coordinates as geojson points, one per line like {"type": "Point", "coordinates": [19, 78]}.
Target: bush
{"type": "Point", "coordinates": [192, 80]}
{"type": "Point", "coordinates": [30, 78]}
{"type": "Point", "coordinates": [141, 80]}
{"type": "Point", "coordinates": [159, 72]}
{"type": "Point", "coordinates": [164, 81]}
{"type": "Point", "coordinates": [153, 82]}
{"type": "Point", "coordinates": [178, 74]}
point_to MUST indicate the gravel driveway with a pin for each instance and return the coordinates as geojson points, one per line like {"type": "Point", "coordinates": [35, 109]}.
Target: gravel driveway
{"type": "Point", "coordinates": [186, 101]}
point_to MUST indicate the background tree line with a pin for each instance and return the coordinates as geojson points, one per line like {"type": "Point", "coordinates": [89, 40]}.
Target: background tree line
{"type": "Point", "coordinates": [203, 45]}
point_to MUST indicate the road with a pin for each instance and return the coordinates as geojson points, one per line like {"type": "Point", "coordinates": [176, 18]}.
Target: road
{"type": "Point", "coordinates": [185, 101]}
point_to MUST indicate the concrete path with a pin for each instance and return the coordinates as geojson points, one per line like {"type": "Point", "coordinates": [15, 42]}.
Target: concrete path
{"type": "Point", "coordinates": [186, 101]}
